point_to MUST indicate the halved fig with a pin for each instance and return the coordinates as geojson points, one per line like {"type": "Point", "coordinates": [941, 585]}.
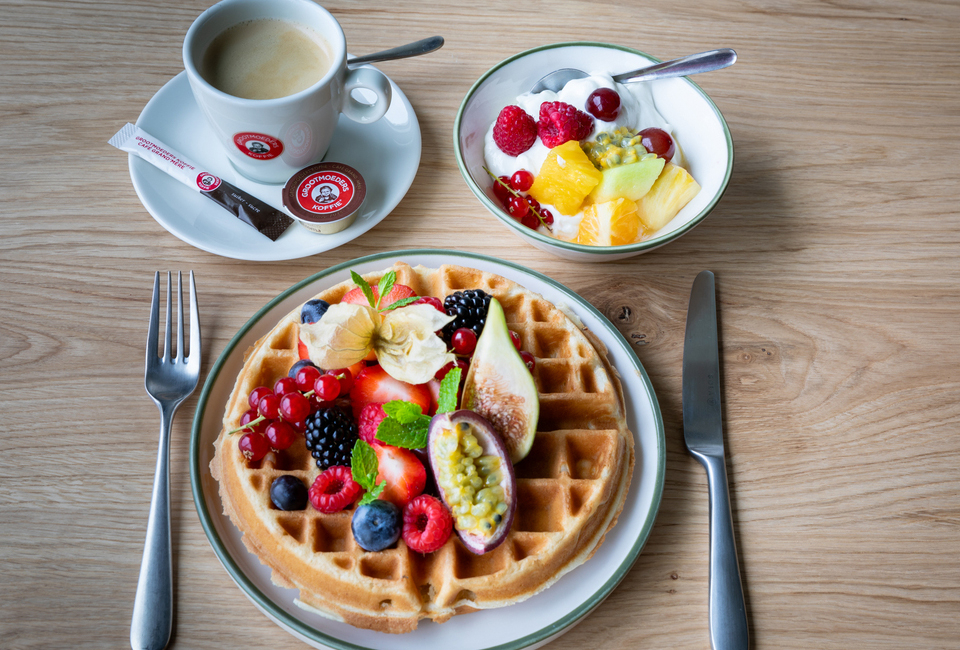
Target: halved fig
{"type": "Point", "coordinates": [499, 386]}
{"type": "Point", "coordinates": [474, 477]}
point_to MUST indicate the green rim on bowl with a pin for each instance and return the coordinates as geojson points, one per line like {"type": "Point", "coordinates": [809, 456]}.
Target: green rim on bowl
{"type": "Point", "coordinates": [309, 632]}
{"type": "Point", "coordinates": [572, 246]}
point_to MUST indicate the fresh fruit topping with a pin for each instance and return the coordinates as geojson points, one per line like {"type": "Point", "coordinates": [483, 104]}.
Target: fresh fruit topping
{"type": "Point", "coordinates": [313, 310]}
{"type": "Point", "coordinates": [464, 341]}
{"type": "Point", "coordinates": [253, 415]}
{"type": "Point", "coordinates": [659, 142]}
{"type": "Point", "coordinates": [501, 189]}
{"type": "Point", "coordinates": [258, 394]}
{"type": "Point", "coordinates": [530, 221]}
{"type": "Point", "coordinates": [566, 177]}
{"type": "Point", "coordinates": [269, 406]}
{"type": "Point", "coordinates": [253, 446]}
{"type": "Point", "coordinates": [287, 492]}
{"type": "Point", "coordinates": [374, 386]}
{"type": "Point", "coordinates": [285, 385]}
{"type": "Point", "coordinates": [280, 435]}
{"type": "Point", "coordinates": [334, 489]}
{"type": "Point", "coordinates": [509, 198]}
{"type": "Point", "coordinates": [306, 377]}
{"type": "Point", "coordinates": [327, 388]}
{"type": "Point", "coordinates": [469, 309]}
{"type": "Point", "coordinates": [561, 122]}
{"type": "Point", "coordinates": [302, 350]}
{"type": "Point", "coordinates": [430, 300]}
{"type": "Point", "coordinates": [402, 473]}
{"type": "Point", "coordinates": [631, 181]}
{"type": "Point", "coordinates": [547, 218]}
{"type": "Point", "coordinates": [500, 388]}
{"type": "Point", "coordinates": [427, 524]}
{"type": "Point", "coordinates": [330, 436]}
{"type": "Point", "coordinates": [670, 193]}
{"type": "Point", "coordinates": [302, 363]}
{"type": "Point", "coordinates": [475, 478]}
{"type": "Point", "coordinates": [370, 418]}
{"type": "Point", "coordinates": [604, 104]}
{"type": "Point", "coordinates": [376, 525]}
{"type": "Point", "coordinates": [621, 147]}
{"type": "Point", "coordinates": [397, 292]}
{"type": "Point", "coordinates": [521, 180]}
{"type": "Point", "coordinates": [528, 359]}
{"type": "Point", "coordinates": [515, 339]}
{"type": "Point", "coordinates": [294, 407]}
{"type": "Point", "coordinates": [515, 131]}
{"type": "Point", "coordinates": [459, 363]}
{"type": "Point", "coordinates": [614, 223]}
{"type": "Point", "coordinates": [518, 207]}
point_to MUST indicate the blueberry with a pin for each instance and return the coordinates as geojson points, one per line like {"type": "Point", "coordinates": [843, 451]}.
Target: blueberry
{"type": "Point", "coordinates": [288, 493]}
{"type": "Point", "coordinates": [300, 364]}
{"type": "Point", "coordinates": [313, 310]}
{"type": "Point", "coordinates": [377, 525]}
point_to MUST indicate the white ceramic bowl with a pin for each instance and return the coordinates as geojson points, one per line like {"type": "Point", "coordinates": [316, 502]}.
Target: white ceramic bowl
{"type": "Point", "coordinates": [697, 123]}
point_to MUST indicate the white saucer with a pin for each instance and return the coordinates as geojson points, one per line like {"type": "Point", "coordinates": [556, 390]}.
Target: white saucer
{"type": "Point", "coordinates": [386, 153]}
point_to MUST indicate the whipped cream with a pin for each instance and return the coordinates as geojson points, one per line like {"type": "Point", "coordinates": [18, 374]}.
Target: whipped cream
{"type": "Point", "coordinates": [637, 111]}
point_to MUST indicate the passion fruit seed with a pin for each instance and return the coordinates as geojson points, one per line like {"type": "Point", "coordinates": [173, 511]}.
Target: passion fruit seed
{"type": "Point", "coordinates": [470, 481]}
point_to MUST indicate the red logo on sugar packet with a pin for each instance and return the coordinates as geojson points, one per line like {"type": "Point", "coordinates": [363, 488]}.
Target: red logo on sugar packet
{"type": "Point", "coordinates": [207, 182]}
{"type": "Point", "coordinates": [258, 145]}
{"type": "Point", "coordinates": [325, 192]}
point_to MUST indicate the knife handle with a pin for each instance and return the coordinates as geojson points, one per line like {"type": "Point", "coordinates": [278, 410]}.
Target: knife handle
{"type": "Point", "coordinates": [728, 613]}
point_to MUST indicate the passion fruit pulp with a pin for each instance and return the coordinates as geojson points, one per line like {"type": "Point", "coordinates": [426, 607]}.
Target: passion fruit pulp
{"type": "Point", "coordinates": [474, 477]}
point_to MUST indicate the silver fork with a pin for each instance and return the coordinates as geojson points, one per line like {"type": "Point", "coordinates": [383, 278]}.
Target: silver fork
{"type": "Point", "coordinates": [168, 380]}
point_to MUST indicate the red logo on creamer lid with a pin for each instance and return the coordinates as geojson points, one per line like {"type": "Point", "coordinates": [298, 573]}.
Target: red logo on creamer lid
{"type": "Point", "coordinates": [325, 192]}
{"type": "Point", "coordinates": [258, 145]}
{"type": "Point", "coordinates": [207, 181]}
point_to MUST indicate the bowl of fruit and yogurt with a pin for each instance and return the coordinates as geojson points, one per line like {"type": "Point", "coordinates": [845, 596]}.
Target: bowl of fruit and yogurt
{"type": "Point", "coordinates": [598, 170]}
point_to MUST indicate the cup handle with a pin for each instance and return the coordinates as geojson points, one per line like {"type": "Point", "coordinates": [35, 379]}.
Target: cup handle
{"type": "Point", "coordinates": [372, 80]}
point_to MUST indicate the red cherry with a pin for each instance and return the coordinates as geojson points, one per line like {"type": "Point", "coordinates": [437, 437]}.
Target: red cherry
{"type": "Point", "coordinates": [516, 339]}
{"type": "Point", "coordinates": [659, 142]}
{"type": "Point", "coordinates": [307, 377]}
{"type": "Point", "coordinates": [464, 341]}
{"type": "Point", "coordinates": [294, 407]}
{"type": "Point", "coordinates": [253, 446]}
{"type": "Point", "coordinates": [280, 435]}
{"type": "Point", "coordinates": [604, 104]}
{"type": "Point", "coordinates": [270, 406]}
{"type": "Point", "coordinates": [528, 359]}
{"type": "Point", "coordinates": [521, 180]}
{"type": "Point", "coordinates": [285, 385]}
{"type": "Point", "coordinates": [518, 207]}
{"type": "Point", "coordinates": [502, 193]}
{"type": "Point", "coordinates": [327, 388]}
{"type": "Point", "coordinates": [345, 377]}
{"type": "Point", "coordinates": [258, 394]}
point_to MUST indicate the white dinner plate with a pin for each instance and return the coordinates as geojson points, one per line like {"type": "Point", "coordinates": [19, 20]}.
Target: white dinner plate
{"type": "Point", "coordinates": [386, 153]}
{"type": "Point", "coordinates": [528, 624]}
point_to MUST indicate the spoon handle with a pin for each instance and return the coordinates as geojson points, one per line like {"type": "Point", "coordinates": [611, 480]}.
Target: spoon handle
{"type": "Point", "coordinates": [416, 48]}
{"type": "Point", "coordinates": [682, 67]}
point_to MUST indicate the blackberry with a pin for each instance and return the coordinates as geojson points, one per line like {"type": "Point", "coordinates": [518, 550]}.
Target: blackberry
{"type": "Point", "coordinates": [469, 309]}
{"type": "Point", "coordinates": [331, 434]}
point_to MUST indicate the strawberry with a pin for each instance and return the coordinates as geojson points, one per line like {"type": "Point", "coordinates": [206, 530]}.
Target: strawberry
{"type": "Point", "coordinates": [398, 292]}
{"type": "Point", "coordinates": [434, 387]}
{"type": "Point", "coordinates": [302, 349]}
{"type": "Point", "coordinates": [427, 524]}
{"type": "Point", "coordinates": [374, 386]}
{"type": "Point", "coordinates": [334, 489]}
{"type": "Point", "coordinates": [370, 418]}
{"type": "Point", "coordinates": [515, 131]}
{"type": "Point", "coordinates": [403, 473]}
{"type": "Point", "coordinates": [560, 122]}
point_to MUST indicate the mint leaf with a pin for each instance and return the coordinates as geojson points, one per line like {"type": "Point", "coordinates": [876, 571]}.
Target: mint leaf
{"type": "Point", "coordinates": [403, 302]}
{"type": "Point", "coordinates": [363, 464]}
{"type": "Point", "coordinates": [412, 435]}
{"type": "Point", "coordinates": [385, 285]}
{"type": "Point", "coordinates": [405, 412]}
{"type": "Point", "coordinates": [448, 391]}
{"type": "Point", "coordinates": [372, 495]}
{"type": "Point", "coordinates": [364, 287]}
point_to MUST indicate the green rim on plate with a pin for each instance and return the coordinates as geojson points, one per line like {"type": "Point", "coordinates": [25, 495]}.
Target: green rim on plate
{"type": "Point", "coordinates": [559, 243]}
{"type": "Point", "coordinates": [309, 632]}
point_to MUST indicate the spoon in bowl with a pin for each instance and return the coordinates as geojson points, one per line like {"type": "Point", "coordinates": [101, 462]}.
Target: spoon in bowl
{"type": "Point", "coordinates": [682, 67]}
{"type": "Point", "coordinates": [423, 46]}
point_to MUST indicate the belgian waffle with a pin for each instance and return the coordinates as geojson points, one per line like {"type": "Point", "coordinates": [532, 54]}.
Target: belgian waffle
{"type": "Point", "coordinates": [571, 487]}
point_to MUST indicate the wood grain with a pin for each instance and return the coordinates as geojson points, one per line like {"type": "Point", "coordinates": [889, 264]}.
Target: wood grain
{"type": "Point", "coordinates": [835, 249]}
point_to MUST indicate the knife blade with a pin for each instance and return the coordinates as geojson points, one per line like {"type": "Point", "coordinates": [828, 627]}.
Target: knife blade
{"type": "Point", "coordinates": [703, 435]}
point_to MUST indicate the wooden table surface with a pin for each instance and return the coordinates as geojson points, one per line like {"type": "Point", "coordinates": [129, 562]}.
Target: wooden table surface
{"type": "Point", "coordinates": [836, 251]}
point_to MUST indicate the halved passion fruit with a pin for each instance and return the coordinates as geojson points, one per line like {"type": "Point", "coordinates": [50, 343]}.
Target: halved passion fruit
{"type": "Point", "coordinates": [474, 476]}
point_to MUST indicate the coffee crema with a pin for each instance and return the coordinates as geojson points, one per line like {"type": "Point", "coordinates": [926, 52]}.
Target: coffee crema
{"type": "Point", "coordinates": [265, 58]}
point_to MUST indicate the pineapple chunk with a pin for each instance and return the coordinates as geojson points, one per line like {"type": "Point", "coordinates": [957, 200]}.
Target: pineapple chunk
{"type": "Point", "coordinates": [613, 223]}
{"type": "Point", "coordinates": [565, 178]}
{"type": "Point", "coordinates": [674, 189]}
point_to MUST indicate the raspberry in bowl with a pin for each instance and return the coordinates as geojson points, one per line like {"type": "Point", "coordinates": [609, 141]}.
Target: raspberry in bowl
{"type": "Point", "coordinates": [599, 171]}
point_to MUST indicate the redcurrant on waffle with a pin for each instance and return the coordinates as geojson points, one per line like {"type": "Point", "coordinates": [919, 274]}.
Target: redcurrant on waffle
{"type": "Point", "coordinates": [571, 487]}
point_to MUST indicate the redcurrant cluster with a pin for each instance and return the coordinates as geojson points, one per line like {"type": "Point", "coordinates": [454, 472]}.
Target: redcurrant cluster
{"type": "Point", "coordinates": [523, 208]}
{"type": "Point", "coordinates": [276, 416]}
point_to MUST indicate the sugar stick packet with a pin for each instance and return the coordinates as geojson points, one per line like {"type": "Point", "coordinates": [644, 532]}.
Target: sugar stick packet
{"type": "Point", "coordinates": [266, 219]}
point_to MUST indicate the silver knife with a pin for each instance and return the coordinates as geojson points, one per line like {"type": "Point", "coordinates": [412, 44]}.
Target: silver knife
{"type": "Point", "coordinates": [703, 434]}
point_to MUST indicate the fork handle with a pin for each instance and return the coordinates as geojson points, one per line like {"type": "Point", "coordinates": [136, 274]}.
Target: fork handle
{"type": "Point", "coordinates": [152, 620]}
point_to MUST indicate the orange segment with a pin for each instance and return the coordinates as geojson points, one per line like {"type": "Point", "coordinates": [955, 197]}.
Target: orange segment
{"type": "Point", "coordinates": [613, 223]}
{"type": "Point", "coordinates": [565, 178]}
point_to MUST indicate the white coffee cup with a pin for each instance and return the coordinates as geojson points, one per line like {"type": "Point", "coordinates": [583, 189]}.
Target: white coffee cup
{"type": "Point", "coordinates": [267, 140]}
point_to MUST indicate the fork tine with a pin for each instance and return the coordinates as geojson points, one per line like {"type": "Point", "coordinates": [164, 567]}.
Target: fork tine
{"type": "Point", "coordinates": [179, 317]}
{"type": "Point", "coordinates": [166, 337]}
{"type": "Point", "coordinates": [194, 325]}
{"type": "Point", "coordinates": [153, 330]}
